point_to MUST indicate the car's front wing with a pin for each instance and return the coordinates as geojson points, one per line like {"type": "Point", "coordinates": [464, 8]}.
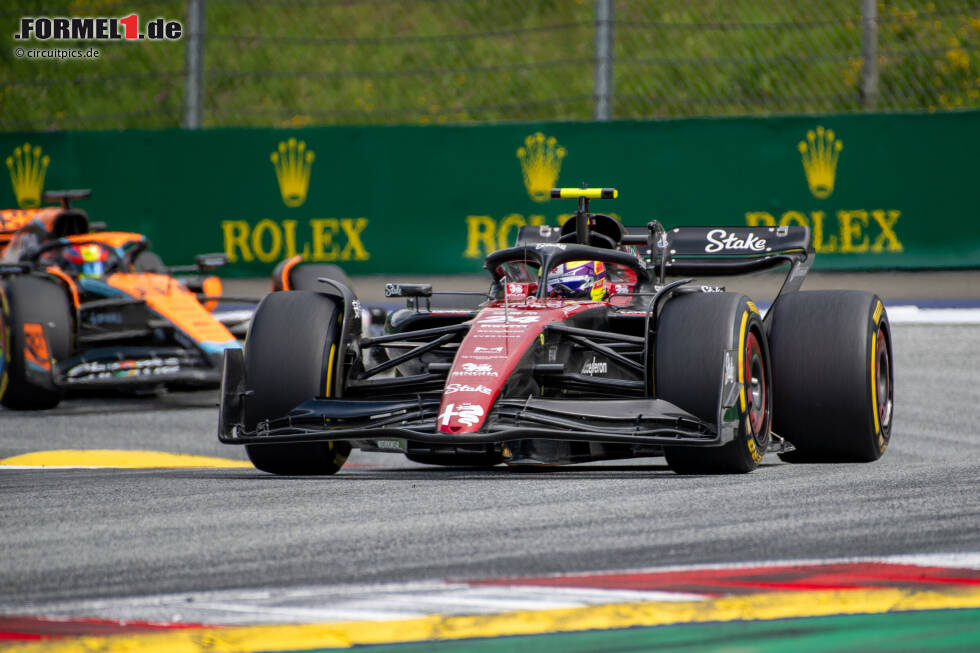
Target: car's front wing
{"type": "Point", "coordinates": [629, 421]}
{"type": "Point", "coordinates": [109, 367]}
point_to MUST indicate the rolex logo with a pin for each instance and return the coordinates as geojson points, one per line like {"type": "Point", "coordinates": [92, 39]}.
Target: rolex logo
{"type": "Point", "coordinates": [27, 168]}
{"type": "Point", "coordinates": [540, 158]}
{"type": "Point", "coordinates": [819, 153]}
{"type": "Point", "coordinates": [292, 162]}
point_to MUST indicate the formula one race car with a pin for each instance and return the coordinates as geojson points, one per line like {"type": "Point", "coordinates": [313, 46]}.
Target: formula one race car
{"type": "Point", "coordinates": [83, 308]}
{"type": "Point", "coordinates": [581, 351]}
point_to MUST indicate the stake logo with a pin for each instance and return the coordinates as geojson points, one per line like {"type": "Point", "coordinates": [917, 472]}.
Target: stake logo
{"type": "Point", "coordinates": [719, 239]}
{"type": "Point", "coordinates": [102, 28]}
{"type": "Point", "coordinates": [540, 158]}
{"type": "Point", "coordinates": [453, 388]}
{"type": "Point", "coordinates": [27, 168]}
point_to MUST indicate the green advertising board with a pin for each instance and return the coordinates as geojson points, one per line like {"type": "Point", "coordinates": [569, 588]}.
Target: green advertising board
{"type": "Point", "coordinates": [878, 191]}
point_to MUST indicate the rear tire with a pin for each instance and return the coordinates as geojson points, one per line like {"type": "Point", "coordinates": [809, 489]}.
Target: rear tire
{"type": "Point", "coordinates": [291, 355]}
{"type": "Point", "coordinates": [693, 333]}
{"type": "Point", "coordinates": [832, 355]}
{"type": "Point", "coordinates": [40, 306]}
{"type": "Point", "coordinates": [147, 261]}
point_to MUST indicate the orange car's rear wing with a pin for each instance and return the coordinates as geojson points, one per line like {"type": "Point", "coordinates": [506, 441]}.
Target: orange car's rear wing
{"type": "Point", "coordinates": [55, 221]}
{"type": "Point", "coordinates": [65, 197]}
{"type": "Point", "coordinates": [51, 220]}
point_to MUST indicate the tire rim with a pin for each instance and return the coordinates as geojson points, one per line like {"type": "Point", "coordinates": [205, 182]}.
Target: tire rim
{"type": "Point", "coordinates": [883, 387]}
{"type": "Point", "coordinates": [757, 409]}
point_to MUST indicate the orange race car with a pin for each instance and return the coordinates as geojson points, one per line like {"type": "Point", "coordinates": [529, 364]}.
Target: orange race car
{"type": "Point", "coordinates": [87, 308]}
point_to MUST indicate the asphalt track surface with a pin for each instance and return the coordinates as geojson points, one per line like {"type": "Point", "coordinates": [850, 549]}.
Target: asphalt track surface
{"type": "Point", "coordinates": [93, 533]}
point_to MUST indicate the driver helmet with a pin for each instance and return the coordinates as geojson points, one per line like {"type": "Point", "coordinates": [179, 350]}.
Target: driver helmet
{"type": "Point", "coordinates": [581, 278]}
{"type": "Point", "coordinates": [88, 260]}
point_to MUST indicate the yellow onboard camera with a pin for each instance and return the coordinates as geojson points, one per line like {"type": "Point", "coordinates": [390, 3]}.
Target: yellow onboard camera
{"type": "Point", "coordinates": [587, 193]}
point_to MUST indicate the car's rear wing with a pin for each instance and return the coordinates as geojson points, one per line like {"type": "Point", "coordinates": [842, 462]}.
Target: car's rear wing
{"type": "Point", "coordinates": [681, 251]}
{"type": "Point", "coordinates": [51, 221]}
{"type": "Point", "coordinates": [707, 251]}
{"type": "Point", "coordinates": [726, 250]}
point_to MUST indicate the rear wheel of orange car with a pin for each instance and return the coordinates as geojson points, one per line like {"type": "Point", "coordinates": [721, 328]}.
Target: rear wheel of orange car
{"type": "Point", "coordinates": [36, 331]}
{"type": "Point", "coordinates": [291, 355]}
{"type": "Point", "coordinates": [147, 261]}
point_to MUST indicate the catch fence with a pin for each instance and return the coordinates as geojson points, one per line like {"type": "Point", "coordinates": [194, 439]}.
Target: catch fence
{"type": "Point", "coordinates": [331, 62]}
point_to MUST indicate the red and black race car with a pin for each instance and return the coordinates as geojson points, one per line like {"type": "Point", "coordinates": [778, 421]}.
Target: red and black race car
{"type": "Point", "coordinates": [86, 308]}
{"type": "Point", "coordinates": [587, 347]}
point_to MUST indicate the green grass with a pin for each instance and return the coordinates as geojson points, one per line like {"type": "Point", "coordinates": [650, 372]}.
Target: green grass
{"type": "Point", "coordinates": [311, 62]}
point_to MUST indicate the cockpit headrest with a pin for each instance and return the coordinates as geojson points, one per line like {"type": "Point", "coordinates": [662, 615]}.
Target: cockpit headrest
{"type": "Point", "coordinates": [70, 223]}
{"type": "Point", "coordinates": [608, 228]}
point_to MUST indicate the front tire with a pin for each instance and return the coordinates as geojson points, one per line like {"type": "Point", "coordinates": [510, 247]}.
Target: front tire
{"type": "Point", "coordinates": [292, 353]}
{"type": "Point", "coordinates": [293, 274]}
{"type": "Point", "coordinates": [694, 331]}
{"type": "Point", "coordinates": [36, 331]}
{"type": "Point", "coordinates": [832, 355]}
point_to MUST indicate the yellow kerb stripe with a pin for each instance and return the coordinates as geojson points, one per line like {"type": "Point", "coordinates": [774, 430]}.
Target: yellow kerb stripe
{"type": "Point", "coordinates": [757, 607]}
{"type": "Point", "coordinates": [117, 458]}
{"type": "Point", "coordinates": [741, 359]}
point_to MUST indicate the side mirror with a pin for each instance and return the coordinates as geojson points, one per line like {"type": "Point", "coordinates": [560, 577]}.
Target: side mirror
{"type": "Point", "coordinates": [408, 290]}
{"type": "Point", "coordinates": [207, 262]}
{"type": "Point", "coordinates": [657, 242]}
